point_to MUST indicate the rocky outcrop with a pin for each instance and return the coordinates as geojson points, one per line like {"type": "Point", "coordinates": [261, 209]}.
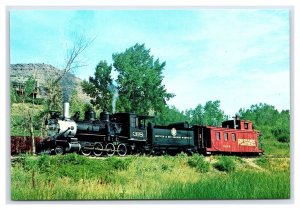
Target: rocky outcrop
{"type": "Point", "coordinates": [41, 72]}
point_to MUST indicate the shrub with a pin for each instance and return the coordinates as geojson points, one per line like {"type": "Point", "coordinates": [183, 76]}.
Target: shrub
{"type": "Point", "coordinates": [72, 158]}
{"type": "Point", "coordinates": [282, 134]}
{"type": "Point", "coordinates": [182, 155]}
{"type": "Point", "coordinates": [28, 163]}
{"type": "Point", "coordinates": [165, 167]}
{"type": "Point", "coordinates": [239, 159]}
{"type": "Point", "coordinates": [225, 163]}
{"type": "Point", "coordinates": [263, 161]}
{"type": "Point", "coordinates": [117, 163]}
{"type": "Point", "coordinates": [44, 164]}
{"type": "Point", "coordinates": [199, 163]}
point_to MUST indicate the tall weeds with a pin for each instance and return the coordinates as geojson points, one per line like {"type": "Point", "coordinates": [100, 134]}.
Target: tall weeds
{"type": "Point", "coordinates": [72, 177]}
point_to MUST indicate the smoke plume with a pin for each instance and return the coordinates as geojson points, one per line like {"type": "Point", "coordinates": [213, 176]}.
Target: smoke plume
{"type": "Point", "coordinates": [67, 87]}
{"type": "Point", "coordinates": [115, 97]}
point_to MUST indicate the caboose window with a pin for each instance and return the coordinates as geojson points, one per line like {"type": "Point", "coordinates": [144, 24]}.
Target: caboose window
{"type": "Point", "coordinates": [233, 136]}
{"type": "Point", "coordinates": [225, 136]}
{"type": "Point", "coordinates": [246, 125]}
{"type": "Point", "coordinates": [218, 136]}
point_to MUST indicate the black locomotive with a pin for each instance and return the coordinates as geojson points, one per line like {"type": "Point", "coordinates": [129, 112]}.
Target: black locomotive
{"type": "Point", "coordinates": [128, 133]}
{"type": "Point", "coordinates": [119, 133]}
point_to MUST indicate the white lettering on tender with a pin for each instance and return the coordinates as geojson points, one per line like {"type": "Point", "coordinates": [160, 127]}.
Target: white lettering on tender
{"type": "Point", "coordinates": [172, 137]}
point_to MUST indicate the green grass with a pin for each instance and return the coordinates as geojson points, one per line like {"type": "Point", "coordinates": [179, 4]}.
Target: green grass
{"type": "Point", "coordinates": [239, 185]}
{"type": "Point", "coordinates": [72, 177]}
{"type": "Point", "coordinates": [273, 147]}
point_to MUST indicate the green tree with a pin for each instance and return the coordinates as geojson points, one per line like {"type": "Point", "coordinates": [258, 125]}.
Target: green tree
{"type": "Point", "coordinates": [140, 81]}
{"type": "Point", "coordinates": [54, 100]}
{"type": "Point", "coordinates": [261, 114]}
{"type": "Point", "coordinates": [281, 129]}
{"type": "Point", "coordinates": [100, 87]}
{"type": "Point", "coordinates": [196, 115]}
{"type": "Point", "coordinates": [213, 115]}
{"type": "Point", "coordinates": [26, 92]}
{"type": "Point", "coordinates": [73, 61]}
{"type": "Point", "coordinates": [209, 114]}
{"type": "Point", "coordinates": [272, 123]}
{"type": "Point", "coordinates": [76, 104]}
{"type": "Point", "coordinates": [13, 95]}
{"type": "Point", "coordinates": [30, 86]}
{"type": "Point", "coordinates": [170, 114]}
{"type": "Point", "coordinates": [28, 119]}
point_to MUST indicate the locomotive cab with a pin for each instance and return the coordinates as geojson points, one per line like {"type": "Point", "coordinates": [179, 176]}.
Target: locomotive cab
{"type": "Point", "coordinates": [137, 128]}
{"type": "Point", "coordinates": [133, 126]}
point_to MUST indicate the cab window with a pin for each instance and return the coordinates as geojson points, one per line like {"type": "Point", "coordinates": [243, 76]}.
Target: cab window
{"type": "Point", "coordinates": [132, 121]}
{"type": "Point", "coordinates": [141, 123]}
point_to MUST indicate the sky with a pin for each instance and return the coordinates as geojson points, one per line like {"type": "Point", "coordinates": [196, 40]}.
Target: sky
{"type": "Point", "coordinates": [238, 56]}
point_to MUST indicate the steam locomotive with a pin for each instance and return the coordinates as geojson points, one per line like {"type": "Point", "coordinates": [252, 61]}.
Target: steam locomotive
{"type": "Point", "coordinates": [128, 133]}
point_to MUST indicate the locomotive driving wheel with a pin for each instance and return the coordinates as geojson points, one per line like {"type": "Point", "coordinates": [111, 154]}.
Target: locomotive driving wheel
{"type": "Point", "coordinates": [86, 151]}
{"type": "Point", "coordinates": [122, 150]}
{"type": "Point", "coordinates": [110, 149]}
{"type": "Point", "coordinates": [59, 150]}
{"type": "Point", "coordinates": [98, 149]}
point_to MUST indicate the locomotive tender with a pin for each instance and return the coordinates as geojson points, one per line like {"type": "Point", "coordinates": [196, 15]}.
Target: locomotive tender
{"type": "Point", "coordinates": [128, 133]}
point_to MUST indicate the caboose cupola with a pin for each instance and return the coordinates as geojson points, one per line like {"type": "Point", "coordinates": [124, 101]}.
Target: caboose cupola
{"type": "Point", "coordinates": [237, 123]}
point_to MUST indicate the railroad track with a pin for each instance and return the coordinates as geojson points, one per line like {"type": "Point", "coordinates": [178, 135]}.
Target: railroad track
{"type": "Point", "coordinates": [17, 157]}
{"type": "Point", "coordinates": [276, 156]}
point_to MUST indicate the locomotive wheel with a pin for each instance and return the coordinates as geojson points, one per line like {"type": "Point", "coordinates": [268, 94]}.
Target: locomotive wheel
{"type": "Point", "coordinates": [86, 151]}
{"type": "Point", "coordinates": [98, 149]}
{"type": "Point", "coordinates": [122, 150]}
{"type": "Point", "coordinates": [148, 151]}
{"type": "Point", "coordinates": [110, 149]}
{"type": "Point", "coordinates": [59, 150]}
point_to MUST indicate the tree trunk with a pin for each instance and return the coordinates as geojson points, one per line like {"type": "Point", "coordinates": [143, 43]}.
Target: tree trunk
{"type": "Point", "coordinates": [31, 133]}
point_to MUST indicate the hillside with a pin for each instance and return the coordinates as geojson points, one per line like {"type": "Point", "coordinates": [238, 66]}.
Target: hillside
{"type": "Point", "coordinates": [19, 73]}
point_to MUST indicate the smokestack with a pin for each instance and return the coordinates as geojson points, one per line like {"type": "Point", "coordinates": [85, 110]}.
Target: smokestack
{"type": "Point", "coordinates": [66, 110]}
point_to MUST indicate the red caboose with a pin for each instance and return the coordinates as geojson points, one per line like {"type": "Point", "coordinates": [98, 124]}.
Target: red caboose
{"type": "Point", "coordinates": [235, 137]}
